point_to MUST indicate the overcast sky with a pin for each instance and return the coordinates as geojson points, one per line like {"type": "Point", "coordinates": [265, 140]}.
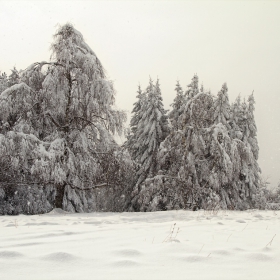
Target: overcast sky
{"type": "Point", "coordinates": [237, 42]}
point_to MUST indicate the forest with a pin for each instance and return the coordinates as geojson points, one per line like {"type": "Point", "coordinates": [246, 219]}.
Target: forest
{"type": "Point", "coordinates": [58, 148]}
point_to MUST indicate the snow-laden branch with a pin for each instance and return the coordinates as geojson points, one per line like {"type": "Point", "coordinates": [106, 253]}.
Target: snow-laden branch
{"type": "Point", "coordinates": [19, 183]}
{"type": "Point", "coordinates": [16, 87]}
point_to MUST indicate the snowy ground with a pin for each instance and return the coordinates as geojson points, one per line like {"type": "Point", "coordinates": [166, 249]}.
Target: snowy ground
{"type": "Point", "coordinates": [223, 245]}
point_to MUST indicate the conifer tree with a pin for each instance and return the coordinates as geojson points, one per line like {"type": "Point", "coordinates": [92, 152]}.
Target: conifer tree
{"type": "Point", "coordinates": [193, 88]}
{"type": "Point", "coordinates": [201, 88]}
{"type": "Point", "coordinates": [251, 171]}
{"type": "Point", "coordinates": [244, 126]}
{"type": "Point", "coordinates": [235, 119]}
{"type": "Point", "coordinates": [252, 137]}
{"type": "Point", "coordinates": [164, 118]}
{"type": "Point", "coordinates": [3, 81]}
{"type": "Point", "coordinates": [177, 104]}
{"type": "Point", "coordinates": [222, 107]}
{"type": "Point", "coordinates": [134, 121]}
{"type": "Point", "coordinates": [151, 131]}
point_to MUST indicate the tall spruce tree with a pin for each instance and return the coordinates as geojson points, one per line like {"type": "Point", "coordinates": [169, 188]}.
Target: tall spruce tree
{"type": "Point", "coordinates": [134, 122]}
{"type": "Point", "coordinates": [251, 171]}
{"type": "Point", "coordinates": [222, 107]}
{"type": "Point", "coordinates": [252, 131]}
{"type": "Point", "coordinates": [235, 118]}
{"type": "Point", "coordinates": [151, 131]}
{"type": "Point", "coordinates": [177, 104]}
{"type": "Point", "coordinates": [193, 88]}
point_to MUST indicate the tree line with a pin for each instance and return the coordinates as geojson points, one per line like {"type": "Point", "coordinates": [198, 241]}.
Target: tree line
{"type": "Point", "coordinates": [57, 146]}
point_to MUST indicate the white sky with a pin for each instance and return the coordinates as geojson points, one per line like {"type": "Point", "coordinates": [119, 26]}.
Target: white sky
{"type": "Point", "coordinates": [237, 42]}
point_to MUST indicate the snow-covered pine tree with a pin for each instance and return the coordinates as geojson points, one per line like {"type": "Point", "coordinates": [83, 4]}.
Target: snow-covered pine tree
{"type": "Point", "coordinates": [164, 118]}
{"type": "Point", "coordinates": [235, 117]}
{"type": "Point", "coordinates": [251, 171]}
{"type": "Point", "coordinates": [134, 121]}
{"type": "Point", "coordinates": [222, 107]}
{"type": "Point", "coordinates": [151, 131]}
{"type": "Point", "coordinates": [59, 124]}
{"type": "Point", "coordinates": [252, 128]}
{"type": "Point", "coordinates": [177, 104]}
{"type": "Point", "coordinates": [243, 121]}
{"type": "Point", "coordinates": [193, 88]}
{"type": "Point", "coordinates": [201, 88]}
{"type": "Point", "coordinates": [3, 81]}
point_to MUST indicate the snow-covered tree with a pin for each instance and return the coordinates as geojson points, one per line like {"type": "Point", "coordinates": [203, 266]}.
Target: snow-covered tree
{"type": "Point", "coordinates": [200, 163]}
{"type": "Point", "coordinates": [59, 122]}
{"type": "Point", "coordinates": [177, 104]}
{"type": "Point", "coordinates": [152, 128]}
{"type": "Point", "coordinates": [222, 107]}
{"type": "Point", "coordinates": [14, 77]}
{"type": "Point", "coordinates": [3, 81]}
{"type": "Point", "coordinates": [193, 88]}
{"type": "Point", "coordinates": [235, 119]}
{"type": "Point", "coordinates": [252, 128]}
{"type": "Point", "coordinates": [251, 172]}
{"type": "Point", "coordinates": [134, 121]}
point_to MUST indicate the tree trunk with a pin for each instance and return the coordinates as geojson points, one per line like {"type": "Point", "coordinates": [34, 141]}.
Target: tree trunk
{"type": "Point", "coordinates": [60, 189]}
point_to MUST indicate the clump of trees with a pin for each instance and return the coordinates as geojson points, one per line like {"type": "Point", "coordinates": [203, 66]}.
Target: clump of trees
{"type": "Point", "coordinates": [209, 157]}
{"type": "Point", "coordinates": [57, 149]}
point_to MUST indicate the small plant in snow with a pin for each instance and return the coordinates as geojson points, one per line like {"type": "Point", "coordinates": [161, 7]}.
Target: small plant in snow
{"type": "Point", "coordinates": [171, 237]}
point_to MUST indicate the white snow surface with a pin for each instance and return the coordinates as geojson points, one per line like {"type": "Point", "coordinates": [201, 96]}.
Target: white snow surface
{"type": "Point", "coordinates": [223, 245]}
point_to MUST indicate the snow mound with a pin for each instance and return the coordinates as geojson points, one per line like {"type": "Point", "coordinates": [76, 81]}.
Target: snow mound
{"type": "Point", "coordinates": [128, 252]}
{"type": "Point", "coordinates": [10, 255]}
{"type": "Point", "coordinates": [125, 263]}
{"type": "Point", "coordinates": [60, 257]}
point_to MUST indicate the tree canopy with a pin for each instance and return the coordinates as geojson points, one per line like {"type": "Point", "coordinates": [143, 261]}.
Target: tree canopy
{"type": "Point", "coordinates": [58, 120]}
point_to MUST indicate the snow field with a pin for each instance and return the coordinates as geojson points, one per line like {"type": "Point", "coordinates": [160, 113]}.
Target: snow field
{"type": "Point", "coordinates": [156, 245]}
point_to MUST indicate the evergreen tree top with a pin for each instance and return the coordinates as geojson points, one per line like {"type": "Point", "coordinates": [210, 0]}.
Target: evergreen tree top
{"type": "Point", "coordinates": [193, 87]}
{"type": "Point", "coordinates": [178, 88]}
{"type": "Point", "coordinates": [251, 102]}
